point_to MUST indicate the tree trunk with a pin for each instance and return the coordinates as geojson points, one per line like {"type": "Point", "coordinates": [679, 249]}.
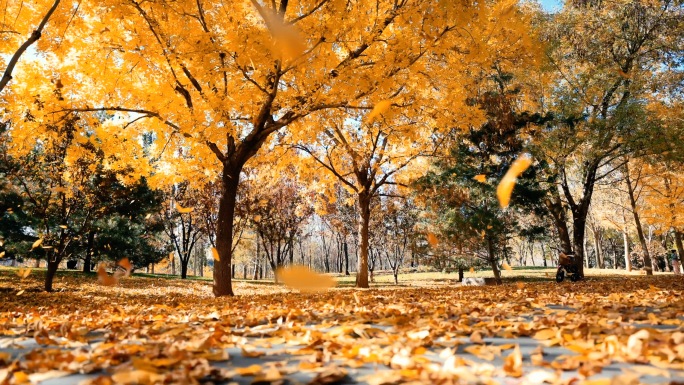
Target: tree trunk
{"type": "Point", "coordinates": [555, 206]}
{"type": "Point", "coordinates": [597, 246]}
{"type": "Point", "coordinates": [89, 252]}
{"type": "Point", "coordinates": [680, 248]}
{"type": "Point", "coordinates": [492, 261]}
{"type": "Point", "coordinates": [460, 274]}
{"type": "Point", "coordinates": [51, 272]}
{"type": "Point", "coordinates": [184, 267]}
{"type": "Point", "coordinates": [648, 266]}
{"type": "Point", "coordinates": [224, 232]}
{"type": "Point", "coordinates": [346, 258]}
{"type": "Point", "coordinates": [364, 224]}
{"type": "Point", "coordinates": [37, 263]}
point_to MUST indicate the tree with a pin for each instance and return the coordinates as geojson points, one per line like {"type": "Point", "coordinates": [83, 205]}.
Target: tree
{"type": "Point", "coordinates": [222, 79]}
{"type": "Point", "coordinates": [368, 152]}
{"type": "Point", "coordinates": [607, 56]}
{"type": "Point", "coordinates": [8, 32]}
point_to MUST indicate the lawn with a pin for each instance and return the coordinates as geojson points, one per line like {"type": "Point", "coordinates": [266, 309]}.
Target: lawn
{"type": "Point", "coordinates": [151, 329]}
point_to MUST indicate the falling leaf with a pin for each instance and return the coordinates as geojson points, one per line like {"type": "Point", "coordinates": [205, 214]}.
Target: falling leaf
{"type": "Point", "coordinates": [63, 226]}
{"type": "Point", "coordinates": [104, 278]}
{"type": "Point", "coordinates": [303, 279]}
{"type": "Point", "coordinates": [482, 178]}
{"type": "Point", "coordinates": [432, 239]}
{"type": "Point", "coordinates": [507, 267]}
{"type": "Point", "coordinates": [378, 109]}
{"type": "Point", "coordinates": [505, 188]}
{"type": "Point", "coordinates": [257, 218]}
{"type": "Point", "coordinates": [126, 264]}
{"type": "Point", "coordinates": [513, 363]}
{"type": "Point", "coordinates": [37, 243]}
{"type": "Point", "coordinates": [472, 269]}
{"type": "Point", "coordinates": [215, 254]}
{"type": "Point", "coordinates": [2, 254]}
{"type": "Point", "coordinates": [20, 292]}
{"type": "Point", "coordinates": [183, 210]}
{"type": "Point", "coordinates": [148, 216]}
{"type": "Point", "coordinates": [23, 272]}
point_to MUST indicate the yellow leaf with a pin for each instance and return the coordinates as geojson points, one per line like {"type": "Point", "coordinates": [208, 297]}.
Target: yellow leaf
{"type": "Point", "coordinates": [482, 178]}
{"type": "Point", "coordinates": [141, 377]}
{"type": "Point", "coordinates": [183, 210]}
{"type": "Point", "coordinates": [472, 269]}
{"type": "Point", "coordinates": [432, 239]}
{"type": "Point", "coordinates": [251, 370]}
{"type": "Point", "coordinates": [20, 292]}
{"type": "Point", "coordinates": [505, 188]}
{"type": "Point", "coordinates": [37, 243]}
{"type": "Point", "coordinates": [513, 363]}
{"type": "Point", "coordinates": [215, 254]}
{"type": "Point", "coordinates": [2, 254]}
{"type": "Point", "coordinates": [507, 267]}
{"type": "Point", "coordinates": [63, 226]}
{"type": "Point", "coordinates": [544, 334]}
{"type": "Point", "coordinates": [303, 279]}
{"type": "Point", "coordinates": [379, 109]}
{"type": "Point", "coordinates": [24, 272]}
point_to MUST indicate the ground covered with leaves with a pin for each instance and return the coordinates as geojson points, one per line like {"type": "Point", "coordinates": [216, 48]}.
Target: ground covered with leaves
{"type": "Point", "coordinates": [605, 330]}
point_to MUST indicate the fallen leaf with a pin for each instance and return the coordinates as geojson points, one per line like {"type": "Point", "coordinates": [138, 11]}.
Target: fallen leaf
{"type": "Point", "coordinates": [140, 377]}
{"type": "Point", "coordinates": [20, 292]}
{"type": "Point", "coordinates": [505, 187]}
{"type": "Point", "coordinates": [544, 334]}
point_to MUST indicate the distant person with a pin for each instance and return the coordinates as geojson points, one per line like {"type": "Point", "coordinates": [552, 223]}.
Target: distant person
{"type": "Point", "coordinates": [674, 259]}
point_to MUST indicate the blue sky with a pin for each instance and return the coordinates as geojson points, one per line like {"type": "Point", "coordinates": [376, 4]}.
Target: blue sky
{"type": "Point", "coordinates": [551, 5]}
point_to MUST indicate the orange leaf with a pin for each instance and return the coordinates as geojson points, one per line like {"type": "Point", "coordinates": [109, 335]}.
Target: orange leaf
{"type": "Point", "coordinates": [104, 278]}
{"type": "Point", "coordinates": [432, 239]}
{"type": "Point", "coordinates": [379, 109]}
{"type": "Point", "coordinates": [544, 334]}
{"type": "Point", "coordinates": [513, 363]}
{"type": "Point", "coordinates": [126, 264]}
{"type": "Point", "coordinates": [505, 188]}
{"type": "Point", "coordinates": [37, 243]}
{"type": "Point", "coordinates": [303, 279]}
{"type": "Point", "coordinates": [507, 267]}
{"type": "Point", "coordinates": [482, 178]}
{"type": "Point", "coordinates": [183, 210]}
{"type": "Point", "coordinates": [215, 254]}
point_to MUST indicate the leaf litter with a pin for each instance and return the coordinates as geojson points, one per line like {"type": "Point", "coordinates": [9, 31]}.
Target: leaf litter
{"type": "Point", "coordinates": [149, 331]}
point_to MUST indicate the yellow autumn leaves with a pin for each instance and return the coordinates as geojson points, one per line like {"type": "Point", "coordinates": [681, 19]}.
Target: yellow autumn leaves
{"type": "Point", "coordinates": [505, 187]}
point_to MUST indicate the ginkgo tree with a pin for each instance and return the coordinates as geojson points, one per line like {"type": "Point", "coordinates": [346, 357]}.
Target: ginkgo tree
{"type": "Point", "coordinates": [609, 58]}
{"type": "Point", "coordinates": [217, 80]}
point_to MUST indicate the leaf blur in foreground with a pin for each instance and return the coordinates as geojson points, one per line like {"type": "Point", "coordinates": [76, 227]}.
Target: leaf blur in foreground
{"type": "Point", "coordinates": [505, 188]}
{"type": "Point", "coordinates": [304, 279]}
